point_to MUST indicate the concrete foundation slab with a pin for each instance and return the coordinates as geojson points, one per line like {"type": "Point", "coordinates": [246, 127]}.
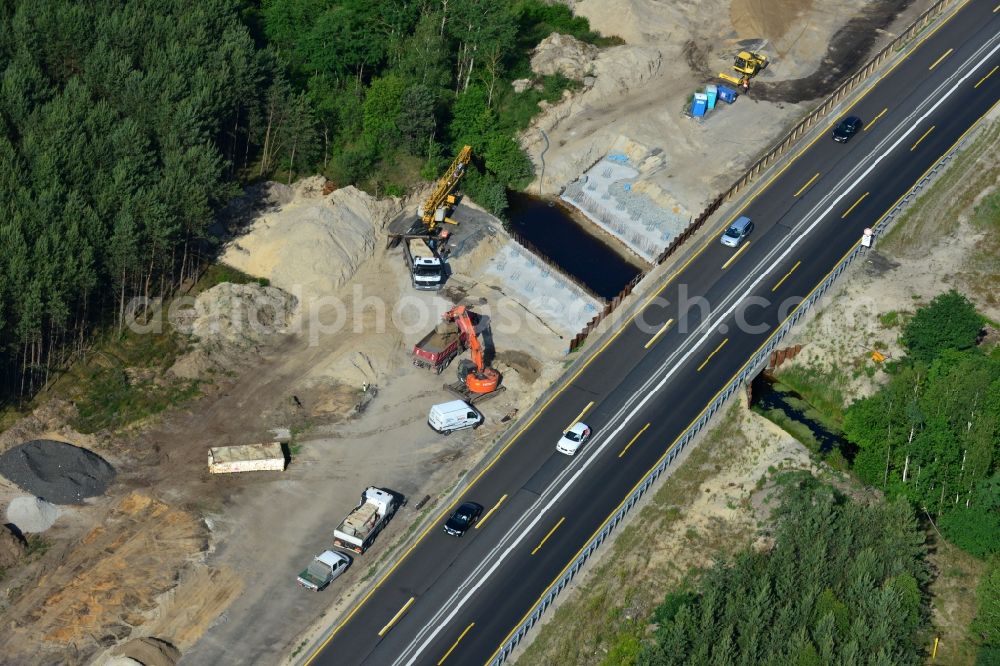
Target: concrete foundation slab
{"type": "Point", "coordinates": [607, 196]}
{"type": "Point", "coordinates": [541, 290]}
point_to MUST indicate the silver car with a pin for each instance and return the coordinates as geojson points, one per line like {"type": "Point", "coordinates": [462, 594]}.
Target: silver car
{"type": "Point", "coordinates": [737, 232]}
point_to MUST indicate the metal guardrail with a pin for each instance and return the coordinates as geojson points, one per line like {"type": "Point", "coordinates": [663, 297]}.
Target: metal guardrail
{"type": "Point", "coordinates": [779, 148]}
{"type": "Point", "coordinates": [747, 372]}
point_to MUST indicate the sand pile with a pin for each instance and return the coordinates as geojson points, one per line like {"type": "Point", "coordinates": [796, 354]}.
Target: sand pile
{"type": "Point", "coordinates": [31, 514]}
{"type": "Point", "coordinates": [149, 651]}
{"type": "Point", "coordinates": [57, 472]}
{"type": "Point", "coordinates": [227, 322]}
{"type": "Point", "coordinates": [313, 244]}
{"type": "Point", "coordinates": [563, 54]}
{"type": "Point", "coordinates": [653, 22]}
{"type": "Point", "coordinates": [256, 198]}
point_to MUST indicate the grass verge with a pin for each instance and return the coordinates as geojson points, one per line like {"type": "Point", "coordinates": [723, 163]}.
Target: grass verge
{"type": "Point", "coordinates": [939, 210]}
{"type": "Point", "coordinates": [953, 601]}
{"type": "Point", "coordinates": [606, 618]}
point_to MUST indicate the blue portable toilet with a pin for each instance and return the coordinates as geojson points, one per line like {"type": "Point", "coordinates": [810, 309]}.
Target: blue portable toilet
{"type": "Point", "coordinates": [699, 105]}
{"type": "Point", "coordinates": [727, 94]}
{"type": "Point", "coordinates": [711, 91]}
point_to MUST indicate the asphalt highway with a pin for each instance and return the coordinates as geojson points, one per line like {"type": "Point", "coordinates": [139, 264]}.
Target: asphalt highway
{"type": "Point", "coordinates": [455, 601]}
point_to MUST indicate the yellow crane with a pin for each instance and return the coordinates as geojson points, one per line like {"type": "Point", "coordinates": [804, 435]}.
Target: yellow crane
{"type": "Point", "coordinates": [748, 64]}
{"type": "Point", "coordinates": [439, 204]}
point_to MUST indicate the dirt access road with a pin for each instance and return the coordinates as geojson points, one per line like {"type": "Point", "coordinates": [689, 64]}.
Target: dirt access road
{"type": "Point", "coordinates": [237, 554]}
{"type": "Point", "coordinates": [675, 48]}
{"type": "Point", "coordinates": [268, 526]}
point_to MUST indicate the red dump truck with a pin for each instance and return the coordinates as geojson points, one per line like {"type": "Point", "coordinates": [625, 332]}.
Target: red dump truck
{"type": "Point", "coordinates": [437, 349]}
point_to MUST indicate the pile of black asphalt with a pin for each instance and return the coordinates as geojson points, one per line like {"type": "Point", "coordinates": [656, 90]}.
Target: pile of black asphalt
{"type": "Point", "coordinates": [57, 472]}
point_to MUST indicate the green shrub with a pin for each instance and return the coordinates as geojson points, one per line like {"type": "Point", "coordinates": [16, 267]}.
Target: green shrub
{"type": "Point", "coordinates": [950, 321]}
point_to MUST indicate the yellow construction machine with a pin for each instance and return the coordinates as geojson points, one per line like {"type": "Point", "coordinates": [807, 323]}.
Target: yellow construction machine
{"type": "Point", "coordinates": [439, 204]}
{"type": "Point", "coordinates": [747, 64]}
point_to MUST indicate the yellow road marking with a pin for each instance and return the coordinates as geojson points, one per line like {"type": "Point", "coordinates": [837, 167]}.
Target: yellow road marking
{"type": "Point", "coordinates": [714, 352]}
{"type": "Point", "coordinates": [914, 146]}
{"type": "Point", "coordinates": [490, 512]}
{"type": "Point", "coordinates": [663, 329]}
{"type": "Point", "coordinates": [455, 644]}
{"type": "Point", "coordinates": [579, 416]}
{"type": "Point", "coordinates": [854, 205]}
{"type": "Point", "coordinates": [938, 61]}
{"type": "Point", "coordinates": [632, 441]}
{"type": "Point", "coordinates": [875, 119]}
{"type": "Point", "coordinates": [995, 68]}
{"type": "Point", "coordinates": [782, 280]}
{"type": "Point", "coordinates": [546, 537]}
{"type": "Point", "coordinates": [668, 281]}
{"type": "Point", "coordinates": [395, 618]}
{"type": "Point", "coordinates": [736, 254]}
{"type": "Point", "coordinates": [777, 328]}
{"type": "Point", "coordinates": [803, 188]}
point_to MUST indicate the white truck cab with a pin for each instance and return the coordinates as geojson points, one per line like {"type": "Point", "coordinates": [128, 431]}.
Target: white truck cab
{"type": "Point", "coordinates": [426, 266]}
{"type": "Point", "coordinates": [447, 417]}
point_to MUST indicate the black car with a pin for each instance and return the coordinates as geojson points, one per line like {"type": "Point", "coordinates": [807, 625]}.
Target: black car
{"type": "Point", "coordinates": [847, 128]}
{"type": "Point", "coordinates": [464, 517]}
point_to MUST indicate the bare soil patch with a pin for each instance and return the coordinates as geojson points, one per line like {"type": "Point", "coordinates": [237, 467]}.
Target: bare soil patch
{"type": "Point", "coordinates": [207, 564]}
{"type": "Point", "coordinates": [99, 589]}
{"type": "Point", "coordinates": [640, 89]}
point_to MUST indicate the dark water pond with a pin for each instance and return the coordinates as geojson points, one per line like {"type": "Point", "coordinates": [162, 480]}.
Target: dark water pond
{"type": "Point", "coordinates": [549, 228]}
{"type": "Point", "coordinates": [788, 408]}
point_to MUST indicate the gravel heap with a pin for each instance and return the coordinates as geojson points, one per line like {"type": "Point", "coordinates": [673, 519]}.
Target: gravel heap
{"type": "Point", "coordinates": [31, 514]}
{"type": "Point", "coordinates": [56, 472]}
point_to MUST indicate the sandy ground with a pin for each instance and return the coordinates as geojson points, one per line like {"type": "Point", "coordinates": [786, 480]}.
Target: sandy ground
{"type": "Point", "coordinates": [207, 563]}
{"type": "Point", "coordinates": [220, 582]}
{"type": "Point", "coordinates": [672, 49]}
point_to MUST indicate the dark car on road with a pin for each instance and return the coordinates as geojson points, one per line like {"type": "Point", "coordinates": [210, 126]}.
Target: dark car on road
{"type": "Point", "coordinates": [847, 128]}
{"type": "Point", "coordinates": [464, 517]}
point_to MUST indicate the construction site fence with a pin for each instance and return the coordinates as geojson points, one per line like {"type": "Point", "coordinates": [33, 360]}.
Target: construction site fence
{"type": "Point", "coordinates": [780, 148]}
{"type": "Point", "coordinates": [758, 362]}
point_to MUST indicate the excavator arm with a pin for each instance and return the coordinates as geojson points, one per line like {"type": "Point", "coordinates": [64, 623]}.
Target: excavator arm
{"type": "Point", "coordinates": [482, 379]}
{"type": "Point", "coordinates": [460, 315]}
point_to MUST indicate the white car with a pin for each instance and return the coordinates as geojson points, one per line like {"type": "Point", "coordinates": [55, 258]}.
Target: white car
{"type": "Point", "coordinates": [573, 439]}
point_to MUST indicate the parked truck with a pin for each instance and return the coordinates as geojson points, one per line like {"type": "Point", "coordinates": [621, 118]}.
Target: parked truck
{"type": "Point", "coordinates": [363, 524]}
{"type": "Point", "coordinates": [427, 269]}
{"type": "Point", "coordinates": [324, 568]}
{"type": "Point", "coordinates": [439, 347]}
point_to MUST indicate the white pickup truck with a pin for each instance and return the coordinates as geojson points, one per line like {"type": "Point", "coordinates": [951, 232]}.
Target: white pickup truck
{"type": "Point", "coordinates": [363, 524]}
{"type": "Point", "coordinates": [322, 571]}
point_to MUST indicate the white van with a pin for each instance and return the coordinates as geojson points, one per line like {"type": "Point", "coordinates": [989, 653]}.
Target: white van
{"type": "Point", "coordinates": [455, 415]}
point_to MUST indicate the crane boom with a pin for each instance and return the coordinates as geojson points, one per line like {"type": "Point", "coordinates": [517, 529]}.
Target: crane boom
{"type": "Point", "coordinates": [446, 184]}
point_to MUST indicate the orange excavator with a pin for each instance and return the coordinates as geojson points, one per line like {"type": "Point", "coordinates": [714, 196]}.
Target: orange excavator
{"type": "Point", "coordinates": [476, 379]}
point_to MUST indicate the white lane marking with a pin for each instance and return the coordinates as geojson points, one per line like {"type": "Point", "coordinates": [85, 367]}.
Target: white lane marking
{"type": "Point", "coordinates": [538, 516]}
